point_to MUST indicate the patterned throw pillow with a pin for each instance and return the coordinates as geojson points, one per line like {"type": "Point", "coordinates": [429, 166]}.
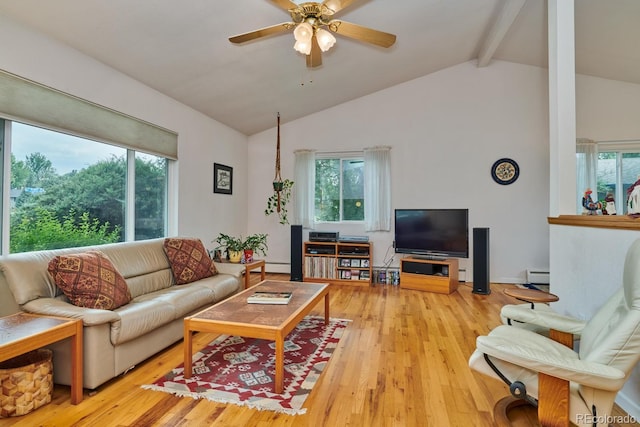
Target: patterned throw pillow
{"type": "Point", "coordinates": [90, 280]}
{"type": "Point", "coordinates": [189, 260]}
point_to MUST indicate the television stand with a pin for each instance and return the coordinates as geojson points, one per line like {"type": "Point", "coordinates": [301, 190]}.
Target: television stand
{"type": "Point", "coordinates": [430, 257]}
{"type": "Point", "coordinates": [431, 275]}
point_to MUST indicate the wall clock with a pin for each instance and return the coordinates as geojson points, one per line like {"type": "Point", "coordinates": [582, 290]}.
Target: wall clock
{"type": "Point", "coordinates": [505, 171]}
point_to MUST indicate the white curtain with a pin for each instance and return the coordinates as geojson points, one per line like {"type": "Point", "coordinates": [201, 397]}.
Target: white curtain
{"type": "Point", "coordinates": [586, 170]}
{"type": "Point", "coordinates": [304, 177]}
{"type": "Point", "coordinates": [377, 188]}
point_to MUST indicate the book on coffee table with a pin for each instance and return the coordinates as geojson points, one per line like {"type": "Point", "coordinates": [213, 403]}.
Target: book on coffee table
{"type": "Point", "coordinates": [269, 298]}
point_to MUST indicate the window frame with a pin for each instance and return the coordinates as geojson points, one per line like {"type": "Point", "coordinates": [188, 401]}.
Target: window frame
{"type": "Point", "coordinates": [341, 156]}
{"type": "Point", "coordinates": [6, 122]}
{"type": "Point", "coordinates": [619, 148]}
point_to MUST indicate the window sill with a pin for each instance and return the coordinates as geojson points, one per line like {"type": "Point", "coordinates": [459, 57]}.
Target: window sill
{"type": "Point", "coordinates": [621, 222]}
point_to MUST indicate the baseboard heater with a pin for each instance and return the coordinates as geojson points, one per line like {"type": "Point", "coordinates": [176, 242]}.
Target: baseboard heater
{"type": "Point", "coordinates": [540, 277]}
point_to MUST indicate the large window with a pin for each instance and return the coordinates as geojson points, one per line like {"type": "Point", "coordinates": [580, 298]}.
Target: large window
{"type": "Point", "coordinates": [339, 189]}
{"type": "Point", "coordinates": [68, 191]}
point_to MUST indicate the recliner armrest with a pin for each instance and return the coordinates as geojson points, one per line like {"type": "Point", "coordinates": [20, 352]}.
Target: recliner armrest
{"type": "Point", "coordinates": [543, 318]}
{"type": "Point", "coordinates": [540, 354]}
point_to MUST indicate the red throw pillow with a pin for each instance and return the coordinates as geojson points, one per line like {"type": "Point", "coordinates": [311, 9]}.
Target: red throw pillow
{"type": "Point", "coordinates": [90, 280]}
{"type": "Point", "coordinates": [189, 260]}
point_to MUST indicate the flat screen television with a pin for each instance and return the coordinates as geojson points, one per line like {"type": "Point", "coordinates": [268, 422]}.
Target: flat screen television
{"type": "Point", "coordinates": [432, 233]}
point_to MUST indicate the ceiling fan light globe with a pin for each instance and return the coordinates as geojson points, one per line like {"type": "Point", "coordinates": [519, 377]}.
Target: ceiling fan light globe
{"type": "Point", "coordinates": [326, 40]}
{"type": "Point", "coordinates": [303, 47]}
{"type": "Point", "coordinates": [303, 32]}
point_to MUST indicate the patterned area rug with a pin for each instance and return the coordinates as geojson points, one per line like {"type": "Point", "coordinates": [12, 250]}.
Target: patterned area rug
{"type": "Point", "coordinates": [241, 370]}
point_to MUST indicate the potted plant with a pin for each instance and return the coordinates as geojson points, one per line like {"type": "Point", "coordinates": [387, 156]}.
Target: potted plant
{"type": "Point", "coordinates": [277, 203]}
{"type": "Point", "coordinates": [255, 243]}
{"type": "Point", "coordinates": [233, 245]}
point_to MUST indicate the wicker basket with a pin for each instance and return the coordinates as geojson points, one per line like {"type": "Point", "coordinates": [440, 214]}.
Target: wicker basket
{"type": "Point", "coordinates": [26, 383]}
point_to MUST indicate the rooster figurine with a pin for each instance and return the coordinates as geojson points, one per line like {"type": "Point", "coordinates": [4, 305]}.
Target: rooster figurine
{"type": "Point", "coordinates": [591, 207]}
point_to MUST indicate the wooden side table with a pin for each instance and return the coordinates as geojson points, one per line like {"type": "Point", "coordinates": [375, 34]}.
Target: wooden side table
{"type": "Point", "coordinates": [531, 295]}
{"type": "Point", "coordinates": [24, 332]}
{"type": "Point", "coordinates": [251, 266]}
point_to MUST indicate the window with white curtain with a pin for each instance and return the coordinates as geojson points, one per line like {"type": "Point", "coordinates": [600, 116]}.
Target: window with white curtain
{"type": "Point", "coordinates": [344, 187]}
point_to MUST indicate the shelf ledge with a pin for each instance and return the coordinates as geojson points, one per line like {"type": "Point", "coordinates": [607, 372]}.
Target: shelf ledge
{"type": "Point", "coordinates": [620, 222]}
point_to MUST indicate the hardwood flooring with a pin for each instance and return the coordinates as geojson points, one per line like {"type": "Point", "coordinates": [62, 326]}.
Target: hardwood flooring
{"type": "Point", "coordinates": [401, 362]}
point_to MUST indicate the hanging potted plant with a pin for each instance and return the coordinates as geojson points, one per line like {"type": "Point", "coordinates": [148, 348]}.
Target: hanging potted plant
{"type": "Point", "coordinates": [255, 243]}
{"type": "Point", "coordinates": [278, 201]}
{"type": "Point", "coordinates": [233, 245]}
{"type": "Point", "coordinates": [281, 189]}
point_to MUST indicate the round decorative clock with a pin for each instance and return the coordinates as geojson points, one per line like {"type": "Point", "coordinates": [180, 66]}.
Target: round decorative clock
{"type": "Point", "coordinates": [505, 171]}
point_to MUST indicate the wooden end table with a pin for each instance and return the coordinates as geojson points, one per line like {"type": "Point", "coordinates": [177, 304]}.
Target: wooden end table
{"type": "Point", "coordinates": [531, 295]}
{"type": "Point", "coordinates": [24, 332]}
{"type": "Point", "coordinates": [251, 266]}
{"type": "Point", "coordinates": [234, 316]}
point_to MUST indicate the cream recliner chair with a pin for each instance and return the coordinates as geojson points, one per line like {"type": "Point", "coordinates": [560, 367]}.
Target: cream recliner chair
{"type": "Point", "coordinates": [567, 385]}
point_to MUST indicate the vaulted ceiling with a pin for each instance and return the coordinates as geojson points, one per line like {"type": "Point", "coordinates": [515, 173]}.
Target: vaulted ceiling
{"type": "Point", "coordinates": [182, 49]}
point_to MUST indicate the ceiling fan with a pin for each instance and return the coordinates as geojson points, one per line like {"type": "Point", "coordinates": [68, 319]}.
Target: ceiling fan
{"type": "Point", "coordinates": [311, 20]}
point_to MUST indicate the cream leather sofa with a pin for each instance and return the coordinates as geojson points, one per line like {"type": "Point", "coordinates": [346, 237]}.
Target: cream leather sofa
{"type": "Point", "coordinates": [115, 341]}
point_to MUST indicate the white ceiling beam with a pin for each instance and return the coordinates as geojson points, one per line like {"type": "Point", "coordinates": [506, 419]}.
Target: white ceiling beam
{"type": "Point", "coordinates": [506, 17]}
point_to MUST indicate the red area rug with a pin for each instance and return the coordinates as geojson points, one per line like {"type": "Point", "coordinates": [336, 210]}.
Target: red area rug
{"type": "Point", "coordinates": [241, 370]}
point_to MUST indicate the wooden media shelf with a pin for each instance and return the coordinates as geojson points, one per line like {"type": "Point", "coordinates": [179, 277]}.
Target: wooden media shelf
{"type": "Point", "coordinates": [337, 263]}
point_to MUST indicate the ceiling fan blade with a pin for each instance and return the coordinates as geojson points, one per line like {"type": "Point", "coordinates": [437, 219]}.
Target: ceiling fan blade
{"type": "Point", "coordinates": [337, 5]}
{"type": "Point", "coordinates": [284, 4]}
{"type": "Point", "coordinates": [263, 32]}
{"type": "Point", "coordinates": [314, 59]}
{"type": "Point", "coordinates": [364, 34]}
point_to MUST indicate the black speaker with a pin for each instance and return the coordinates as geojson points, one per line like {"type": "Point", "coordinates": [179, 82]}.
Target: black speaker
{"type": "Point", "coordinates": [481, 261]}
{"type": "Point", "coordinates": [296, 253]}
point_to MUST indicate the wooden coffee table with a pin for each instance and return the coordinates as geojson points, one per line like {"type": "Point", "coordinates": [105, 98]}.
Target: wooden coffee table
{"type": "Point", "coordinates": [23, 332]}
{"type": "Point", "coordinates": [234, 316]}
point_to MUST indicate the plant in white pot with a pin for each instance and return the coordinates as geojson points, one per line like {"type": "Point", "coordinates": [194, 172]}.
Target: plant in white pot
{"type": "Point", "coordinates": [255, 243]}
{"type": "Point", "coordinates": [233, 245]}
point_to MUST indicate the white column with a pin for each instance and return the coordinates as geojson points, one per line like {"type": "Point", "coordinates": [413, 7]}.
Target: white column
{"type": "Point", "coordinates": [562, 108]}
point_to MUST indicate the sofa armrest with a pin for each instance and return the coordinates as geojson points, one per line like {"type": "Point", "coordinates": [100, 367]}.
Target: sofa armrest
{"type": "Point", "coordinates": [230, 268]}
{"type": "Point", "coordinates": [56, 307]}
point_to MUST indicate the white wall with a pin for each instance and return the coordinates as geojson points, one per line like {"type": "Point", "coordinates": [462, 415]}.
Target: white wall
{"type": "Point", "coordinates": [587, 263]}
{"type": "Point", "coordinates": [446, 130]}
{"type": "Point", "coordinates": [201, 142]}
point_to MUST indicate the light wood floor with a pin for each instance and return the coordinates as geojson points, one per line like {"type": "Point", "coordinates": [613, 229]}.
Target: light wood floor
{"type": "Point", "coordinates": [401, 362]}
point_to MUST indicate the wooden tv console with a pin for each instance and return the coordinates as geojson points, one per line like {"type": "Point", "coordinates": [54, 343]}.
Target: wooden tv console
{"type": "Point", "coordinates": [439, 276]}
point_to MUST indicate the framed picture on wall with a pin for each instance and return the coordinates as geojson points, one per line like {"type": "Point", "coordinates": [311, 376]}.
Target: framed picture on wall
{"type": "Point", "coordinates": [222, 179]}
